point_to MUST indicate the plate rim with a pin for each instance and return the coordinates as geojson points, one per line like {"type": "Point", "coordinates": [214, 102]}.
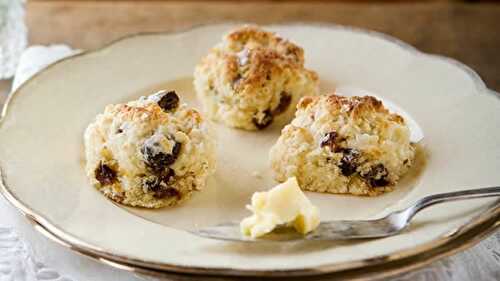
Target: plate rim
{"type": "Point", "coordinates": [452, 242]}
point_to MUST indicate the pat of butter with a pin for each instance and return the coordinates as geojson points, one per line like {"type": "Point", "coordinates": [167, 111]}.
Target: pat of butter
{"type": "Point", "coordinates": [283, 204]}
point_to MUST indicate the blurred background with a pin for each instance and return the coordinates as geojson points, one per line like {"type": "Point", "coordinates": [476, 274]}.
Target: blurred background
{"type": "Point", "coordinates": [464, 30]}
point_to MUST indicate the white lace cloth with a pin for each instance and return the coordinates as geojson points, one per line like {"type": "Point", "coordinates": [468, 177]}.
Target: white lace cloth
{"type": "Point", "coordinates": [25, 255]}
{"type": "Point", "coordinates": [17, 260]}
{"type": "Point", "coordinates": [13, 35]}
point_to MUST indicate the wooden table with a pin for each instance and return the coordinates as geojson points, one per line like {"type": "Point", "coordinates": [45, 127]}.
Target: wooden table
{"type": "Point", "coordinates": [467, 32]}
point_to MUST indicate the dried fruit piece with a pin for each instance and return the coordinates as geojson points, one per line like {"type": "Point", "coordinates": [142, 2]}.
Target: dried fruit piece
{"type": "Point", "coordinates": [377, 176]}
{"type": "Point", "coordinates": [156, 160]}
{"type": "Point", "coordinates": [176, 150]}
{"type": "Point", "coordinates": [104, 174]}
{"type": "Point", "coordinates": [169, 101]}
{"type": "Point", "coordinates": [349, 162]}
{"type": "Point", "coordinates": [333, 141]}
{"type": "Point", "coordinates": [159, 185]}
{"type": "Point", "coordinates": [329, 139]}
{"type": "Point", "coordinates": [266, 121]}
{"type": "Point", "coordinates": [169, 192]}
{"type": "Point", "coordinates": [285, 101]}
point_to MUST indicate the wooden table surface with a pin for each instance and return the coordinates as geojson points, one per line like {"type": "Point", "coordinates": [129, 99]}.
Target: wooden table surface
{"type": "Point", "coordinates": [467, 32]}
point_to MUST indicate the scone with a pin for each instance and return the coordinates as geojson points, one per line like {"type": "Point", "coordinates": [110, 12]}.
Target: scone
{"type": "Point", "coordinates": [341, 144]}
{"type": "Point", "coordinates": [252, 78]}
{"type": "Point", "coordinates": [152, 152]}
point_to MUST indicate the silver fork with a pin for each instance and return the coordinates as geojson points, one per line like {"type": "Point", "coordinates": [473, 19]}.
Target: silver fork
{"type": "Point", "coordinates": [346, 230]}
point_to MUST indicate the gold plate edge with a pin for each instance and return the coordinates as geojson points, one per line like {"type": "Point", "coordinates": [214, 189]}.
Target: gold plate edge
{"type": "Point", "coordinates": [441, 247]}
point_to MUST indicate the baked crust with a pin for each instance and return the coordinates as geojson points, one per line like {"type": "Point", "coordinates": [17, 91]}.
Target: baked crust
{"type": "Point", "coordinates": [244, 79]}
{"type": "Point", "coordinates": [141, 154]}
{"type": "Point", "coordinates": [340, 144]}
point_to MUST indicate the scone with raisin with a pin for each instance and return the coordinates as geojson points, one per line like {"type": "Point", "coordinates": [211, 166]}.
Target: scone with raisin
{"type": "Point", "coordinates": [341, 144]}
{"type": "Point", "coordinates": [152, 152]}
{"type": "Point", "coordinates": [252, 78]}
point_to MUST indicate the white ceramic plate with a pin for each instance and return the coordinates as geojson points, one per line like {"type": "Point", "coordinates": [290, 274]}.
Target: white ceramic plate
{"type": "Point", "coordinates": [41, 156]}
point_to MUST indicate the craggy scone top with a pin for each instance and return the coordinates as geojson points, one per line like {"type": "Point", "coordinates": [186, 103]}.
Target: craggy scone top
{"type": "Point", "coordinates": [268, 54]}
{"type": "Point", "coordinates": [355, 108]}
{"type": "Point", "coordinates": [255, 76]}
{"type": "Point", "coordinates": [355, 140]}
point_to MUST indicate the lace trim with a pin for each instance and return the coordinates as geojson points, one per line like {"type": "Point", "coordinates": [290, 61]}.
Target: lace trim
{"type": "Point", "coordinates": [17, 262]}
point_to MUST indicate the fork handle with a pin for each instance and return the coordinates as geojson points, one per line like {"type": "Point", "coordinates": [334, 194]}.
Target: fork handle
{"type": "Point", "coordinates": [453, 196]}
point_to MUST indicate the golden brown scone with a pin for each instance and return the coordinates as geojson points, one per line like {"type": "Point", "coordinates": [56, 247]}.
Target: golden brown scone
{"type": "Point", "coordinates": [152, 152]}
{"type": "Point", "coordinates": [252, 78]}
{"type": "Point", "coordinates": [341, 144]}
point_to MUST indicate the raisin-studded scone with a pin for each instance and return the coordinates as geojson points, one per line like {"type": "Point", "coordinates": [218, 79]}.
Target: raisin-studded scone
{"type": "Point", "coordinates": [341, 144]}
{"type": "Point", "coordinates": [152, 152]}
{"type": "Point", "coordinates": [252, 78]}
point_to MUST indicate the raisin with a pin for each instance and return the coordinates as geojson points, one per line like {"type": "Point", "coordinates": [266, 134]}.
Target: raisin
{"type": "Point", "coordinates": [349, 161]}
{"type": "Point", "coordinates": [158, 161]}
{"type": "Point", "coordinates": [152, 184]}
{"type": "Point", "coordinates": [377, 176]}
{"type": "Point", "coordinates": [379, 183]}
{"type": "Point", "coordinates": [266, 121]}
{"type": "Point", "coordinates": [166, 175]}
{"type": "Point", "coordinates": [169, 101]}
{"type": "Point", "coordinates": [176, 150]}
{"type": "Point", "coordinates": [329, 139]}
{"type": "Point", "coordinates": [332, 141]}
{"type": "Point", "coordinates": [285, 101]}
{"type": "Point", "coordinates": [159, 185]}
{"type": "Point", "coordinates": [169, 192]}
{"type": "Point", "coordinates": [119, 131]}
{"type": "Point", "coordinates": [104, 174]}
